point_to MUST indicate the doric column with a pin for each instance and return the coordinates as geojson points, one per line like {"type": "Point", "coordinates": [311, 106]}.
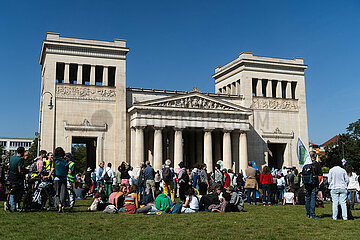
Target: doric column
{"type": "Point", "coordinates": [278, 90]}
{"type": "Point", "coordinates": [259, 88]}
{"type": "Point", "coordinates": [92, 75]}
{"type": "Point", "coordinates": [158, 148]}
{"type": "Point", "coordinates": [268, 88]}
{"type": "Point", "coordinates": [105, 76]}
{"type": "Point", "coordinates": [243, 155]}
{"type": "Point", "coordinates": [79, 79]}
{"type": "Point", "coordinates": [208, 160]}
{"type": "Point", "coordinates": [178, 146]}
{"type": "Point", "coordinates": [133, 145]}
{"type": "Point", "coordinates": [66, 73]}
{"type": "Point", "coordinates": [288, 90]}
{"type": "Point", "coordinates": [227, 149]}
{"type": "Point", "coordinates": [139, 148]}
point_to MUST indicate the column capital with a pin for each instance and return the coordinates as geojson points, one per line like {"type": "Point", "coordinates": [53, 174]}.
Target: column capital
{"type": "Point", "coordinates": [157, 128]}
{"type": "Point", "coordinates": [139, 127]}
{"type": "Point", "coordinates": [227, 130]}
{"type": "Point", "coordinates": [208, 129]}
{"type": "Point", "coordinates": [178, 128]}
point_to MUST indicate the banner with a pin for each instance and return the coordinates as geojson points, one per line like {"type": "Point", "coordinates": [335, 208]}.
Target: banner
{"type": "Point", "coordinates": [302, 153]}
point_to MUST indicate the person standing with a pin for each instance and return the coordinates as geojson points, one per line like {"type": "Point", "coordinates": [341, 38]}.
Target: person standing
{"type": "Point", "coordinates": [71, 179]}
{"type": "Point", "coordinates": [338, 182]}
{"type": "Point", "coordinates": [98, 174]}
{"type": "Point", "coordinates": [149, 174]}
{"type": "Point", "coordinates": [203, 180]}
{"type": "Point", "coordinates": [168, 183]}
{"type": "Point", "coordinates": [60, 170]}
{"type": "Point", "coordinates": [310, 175]}
{"type": "Point", "coordinates": [16, 179]}
{"type": "Point", "coordinates": [353, 186]}
{"type": "Point", "coordinates": [108, 176]}
{"type": "Point", "coordinates": [266, 180]}
{"type": "Point", "coordinates": [218, 176]}
{"type": "Point", "coordinates": [251, 184]}
{"type": "Point", "coordinates": [183, 179]}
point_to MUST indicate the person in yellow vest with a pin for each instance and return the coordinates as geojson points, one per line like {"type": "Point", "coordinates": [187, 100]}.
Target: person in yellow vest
{"type": "Point", "coordinates": [48, 163]}
{"type": "Point", "coordinates": [71, 179]}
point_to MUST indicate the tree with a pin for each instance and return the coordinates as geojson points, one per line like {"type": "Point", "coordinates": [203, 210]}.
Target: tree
{"type": "Point", "coordinates": [347, 146]}
{"type": "Point", "coordinates": [79, 153]}
{"type": "Point", "coordinates": [32, 151]}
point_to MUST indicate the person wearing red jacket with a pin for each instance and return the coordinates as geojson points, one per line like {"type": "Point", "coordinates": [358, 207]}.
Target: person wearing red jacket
{"type": "Point", "coordinates": [227, 178]}
{"type": "Point", "coordinates": [266, 180]}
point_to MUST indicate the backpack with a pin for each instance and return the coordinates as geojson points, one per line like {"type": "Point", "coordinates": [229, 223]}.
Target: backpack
{"type": "Point", "coordinates": [177, 208]}
{"type": "Point", "coordinates": [106, 177]}
{"type": "Point", "coordinates": [308, 174]}
{"type": "Point", "coordinates": [111, 209]}
{"type": "Point", "coordinates": [296, 180]}
{"type": "Point", "coordinates": [185, 176]}
{"type": "Point", "coordinates": [33, 168]}
{"type": "Point", "coordinates": [166, 174]}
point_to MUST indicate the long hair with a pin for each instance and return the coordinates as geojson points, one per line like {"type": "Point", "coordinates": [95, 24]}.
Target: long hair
{"type": "Point", "coordinates": [266, 170]}
{"type": "Point", "coordinates": [349, 170]}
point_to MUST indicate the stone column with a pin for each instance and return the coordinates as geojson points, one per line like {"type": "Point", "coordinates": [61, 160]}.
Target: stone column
{"type": "Point", "coordinates": [208, 160]}
{"type": "Point", "coordinates": [269, 88]}
{"type": "Point", "coordinates": [158, 148]}
{"type": "Point", "coordinates": [259, 88]}
{"type": "Point", "coordinates": [79, 79]}
{"type": "Point", "coordinates": [66, 73]}
{"type": "Point", "coordinates": [139, 147]}
{"type": "Point", "coordinates": [92, 75]}
{"type": "Point", "coordinates": [243, 155]}
{"type": "Point", "coordinates": [133, 145]}
{"type": "Point", "coordinates": [105, 76]}
{"type": "Point", "coordinates": [227, 149]}
{"type": "Point", "coordinates": [288, 90]}
{"type": "Point", "coordinates": [178, 146]}
{"type": "Point", "coordinates": [278, 90]}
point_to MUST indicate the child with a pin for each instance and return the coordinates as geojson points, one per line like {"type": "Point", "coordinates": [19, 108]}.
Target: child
{"type": "Point", "coordinates": [289, 197]}
{"type": "Point", "coordinates": [222, 206]}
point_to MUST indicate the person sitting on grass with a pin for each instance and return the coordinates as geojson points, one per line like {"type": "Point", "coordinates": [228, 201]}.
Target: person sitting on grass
{"type": "Point", "coordinates": [112, 196]}
{"type": "Point", "coordinates": [289, 197]}
{"type": "Point", "coordinates": [191, 204]}
{"type": "Point", "coordinates": [208, 199]}
{"type": "Point", "coordinates": [162, 202]}
{"type": "Point", "coordinates": [120, 196]}
{"type": "Point", "coordinates": [223, 206]}
{"type": "Point", "coordinates": [236, 203]}
{"type": "Point", "coordinates": [131, 203]}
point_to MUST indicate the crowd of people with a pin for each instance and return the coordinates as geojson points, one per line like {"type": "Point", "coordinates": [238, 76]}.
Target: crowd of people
{"type": "Point", "coordinates": [53, 179]}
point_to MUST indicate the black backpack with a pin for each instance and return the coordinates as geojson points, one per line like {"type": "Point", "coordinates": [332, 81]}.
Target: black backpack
{"type": "Point", "coordinates": [166, 174]}
{"type": "Point", "coordinates": [308, 174]}
{"type": "Point", "coordinates": [106, 177]}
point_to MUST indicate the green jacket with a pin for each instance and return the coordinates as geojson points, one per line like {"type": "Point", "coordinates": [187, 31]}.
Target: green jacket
{"type": "Point", "coordinates": [162, 203]}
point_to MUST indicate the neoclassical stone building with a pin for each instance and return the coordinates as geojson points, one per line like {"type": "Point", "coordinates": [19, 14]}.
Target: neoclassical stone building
{"type": "Point", "coordinates": [256, 113]}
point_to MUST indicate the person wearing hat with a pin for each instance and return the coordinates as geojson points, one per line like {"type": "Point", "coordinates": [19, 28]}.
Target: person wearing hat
{"type": "Point", "coordinates": [167, 174]}
{"type": "Point", "coordinates": [71, 179]}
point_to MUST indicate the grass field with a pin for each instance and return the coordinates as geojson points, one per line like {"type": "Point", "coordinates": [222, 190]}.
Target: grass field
{"type": "Point", "coordinates": [258, 222]}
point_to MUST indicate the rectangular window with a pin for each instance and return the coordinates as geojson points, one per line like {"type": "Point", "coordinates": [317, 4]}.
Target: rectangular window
{"type": "Point", "coordinates": [73, 73]}
{"type": "Point", "coordinates": [111, 76]}
{"type": "Point", "coordinates": [293, 88]}
{"type": "Point", "coordinates": [273, 88]}
{"type": "Point", "coordinates": [254, 84]}
{"type": "Point", "coordinates": [86, 75]}
{"type": "Point", "coordinates": [264, 83]}
{"type": "Point", "coordinates": [99, 75]}
{"type": "Point", "coordinates": [60, 68]}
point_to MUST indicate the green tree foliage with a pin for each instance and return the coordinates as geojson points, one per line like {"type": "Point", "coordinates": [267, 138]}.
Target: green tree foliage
{"type": "Point", "coordinates": [347, 146]}
{"type": "Point", "coordinates": [33, 152]}
{"type": "Point", "coordinates": [79, 153]}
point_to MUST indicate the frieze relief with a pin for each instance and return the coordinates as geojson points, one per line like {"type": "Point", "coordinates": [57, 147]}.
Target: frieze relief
{"type": "Point", "coordinates": [275, 104]}
{"type": "Point", "coordinates": [193, 102]}
{"type": "Point", "coordinates": [85, 93]}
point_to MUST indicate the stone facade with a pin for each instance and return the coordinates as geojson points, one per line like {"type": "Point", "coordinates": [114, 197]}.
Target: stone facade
{"type": "Point", "coordinates": [256, 113]}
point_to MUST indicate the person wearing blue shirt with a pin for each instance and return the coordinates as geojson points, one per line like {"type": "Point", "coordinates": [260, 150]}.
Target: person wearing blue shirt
{"type": "Point", "coordinates": [149, 179]}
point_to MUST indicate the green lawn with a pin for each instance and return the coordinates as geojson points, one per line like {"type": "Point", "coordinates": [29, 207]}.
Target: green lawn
{"type": "Point", "coordinates": [258, 222]}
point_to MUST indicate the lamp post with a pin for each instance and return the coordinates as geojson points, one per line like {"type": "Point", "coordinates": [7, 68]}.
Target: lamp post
{"type": "Point", "coordinates": [50, 106]}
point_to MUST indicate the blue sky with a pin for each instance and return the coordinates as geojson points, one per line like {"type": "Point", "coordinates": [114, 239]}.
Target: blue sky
{"type": "Point", "coordinates": [177, 44]}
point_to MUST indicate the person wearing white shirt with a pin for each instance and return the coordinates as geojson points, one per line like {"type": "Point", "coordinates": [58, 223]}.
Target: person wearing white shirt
{"type": "Point", "coordinates": [353, 186]}
{"type": "Point", "coordinates": [338, 182]}
{"type": "Point", "coordinates": [108, 175]}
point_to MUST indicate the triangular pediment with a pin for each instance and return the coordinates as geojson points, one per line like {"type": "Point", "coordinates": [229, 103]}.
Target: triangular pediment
{"type": "Point", "coordinates": [194, 100]}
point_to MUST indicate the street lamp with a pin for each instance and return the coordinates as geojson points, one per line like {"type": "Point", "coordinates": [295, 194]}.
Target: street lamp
{"type": "Point", "coordinates": [50, 106]}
